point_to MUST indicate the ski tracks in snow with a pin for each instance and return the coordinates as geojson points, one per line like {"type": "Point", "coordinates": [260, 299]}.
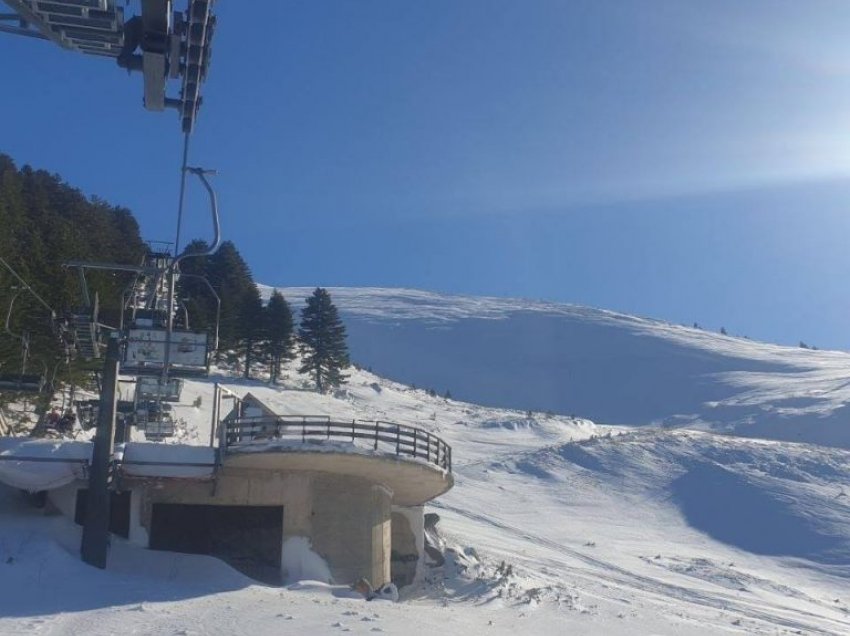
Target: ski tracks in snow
{"type": "Point", "coordinates": [600, 570]}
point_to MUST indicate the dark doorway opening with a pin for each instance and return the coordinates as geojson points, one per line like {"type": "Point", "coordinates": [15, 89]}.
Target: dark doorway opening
{"type": "Point", "coordinates": [119, 511]}
{"type": "Point", "coordinates": [248, 538]}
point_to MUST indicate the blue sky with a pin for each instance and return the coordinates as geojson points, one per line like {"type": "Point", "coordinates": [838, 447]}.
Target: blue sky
{"type": "Point", "coordinates": [678, 159]}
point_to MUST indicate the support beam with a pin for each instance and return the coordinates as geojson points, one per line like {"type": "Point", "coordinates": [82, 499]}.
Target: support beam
{"type": "Point", "coordinates": [14, 30]}
{"type": "Point", "coordinates": [95, 543]}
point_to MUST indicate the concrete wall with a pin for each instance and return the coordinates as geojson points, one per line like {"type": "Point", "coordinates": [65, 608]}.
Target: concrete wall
{"type": "Point", "coordinates": [64, 498]}
{"type": "Point", "coordinates": [346, 519]}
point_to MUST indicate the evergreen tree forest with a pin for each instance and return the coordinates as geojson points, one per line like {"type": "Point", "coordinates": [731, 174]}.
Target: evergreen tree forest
{"type": "Point", "coordinates": [46, 223]}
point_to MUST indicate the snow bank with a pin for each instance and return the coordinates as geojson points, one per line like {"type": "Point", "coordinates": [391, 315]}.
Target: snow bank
{"type": "Point", "coordinates": [302, 564]}
{"type": "Point", "coordinates": [764, 498]}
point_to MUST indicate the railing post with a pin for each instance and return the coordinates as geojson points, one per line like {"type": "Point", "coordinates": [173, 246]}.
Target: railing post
{"type": "Point", "coordinates": [377, 425]}
{"type": "Point", "coordinates": [328, 423]}
{"type": "Point", "coordinates": [414, 442]}
{"type": "Point", "coordinates": [352, 431]}
{"type": "Point", "coordinates": [397, 439]}
{"type": "Point", "coordinates": [428, 446]}
{"type": "Point", "coordinates": [303, 430]}
{"type": "Point", "coordinates": [214, 422]}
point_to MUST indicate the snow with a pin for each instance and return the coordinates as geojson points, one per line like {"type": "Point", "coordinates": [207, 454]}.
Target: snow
{"type": "Point", "coordinates": [166, 460]}
{"type": "Point", "coordinates": [556, 525]}
{"type": "Point", "coordinates": [605, 366]}
{"type": "Point", "coordinates": [43, 464]}
{"type": "Point", "coordinates": [302, 564]}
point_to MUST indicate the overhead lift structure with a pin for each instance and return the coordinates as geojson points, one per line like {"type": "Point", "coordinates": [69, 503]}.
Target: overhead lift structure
{"type": "Point", "coordinates": [161, 43]}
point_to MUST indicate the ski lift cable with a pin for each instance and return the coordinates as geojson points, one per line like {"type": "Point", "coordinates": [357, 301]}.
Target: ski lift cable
{"type": "Point", "coordinates": [28, 288]}
{"type": "Point", "coordinates": [182, 192]}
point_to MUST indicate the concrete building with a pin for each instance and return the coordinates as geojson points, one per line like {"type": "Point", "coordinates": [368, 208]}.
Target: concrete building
{"type": "Point", "coordinates": [352, 491]}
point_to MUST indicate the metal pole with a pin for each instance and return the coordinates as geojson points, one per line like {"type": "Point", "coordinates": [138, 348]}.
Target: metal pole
{"type": "Point", "coordinates": [95, 543]}
{"type": "Point", "coordinates": [215, 414]}
{"type": "Point", "coordinates": [182, 192]}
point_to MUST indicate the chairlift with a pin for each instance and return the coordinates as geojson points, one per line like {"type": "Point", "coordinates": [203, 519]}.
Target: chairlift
{"type": "Point", "coordinates": [155, 388]}
{"type": "Point", "coordinates": [160, 349]}
{"type": "Point", "coordinates": [59, 328]}
{"type": "Point", "coordinates": [158, 430]}
{"type": "Point", "coordinates": [21, 382]}
{"type": "Point", "coordinates": [155, 420]}
{"type": "Point", "coordinates": [85, 326]}
{"type": "Point", "coordinates": [87, 411]}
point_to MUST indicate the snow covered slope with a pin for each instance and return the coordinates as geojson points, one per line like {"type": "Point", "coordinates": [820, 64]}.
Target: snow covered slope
{"type": "Point", "coordinates": [601, 365]}
{"type": "Point", "coordinates": [554, 526]}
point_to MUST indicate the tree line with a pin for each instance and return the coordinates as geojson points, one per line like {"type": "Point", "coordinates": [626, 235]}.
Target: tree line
{"type": "Point", "coordinates": [45, 222]}
{"type": "Point", "coordinates": [262, 335]}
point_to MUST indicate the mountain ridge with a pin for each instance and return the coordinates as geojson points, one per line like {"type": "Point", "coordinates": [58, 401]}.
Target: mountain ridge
{"type": "Point", "coordinates": [604, 365]}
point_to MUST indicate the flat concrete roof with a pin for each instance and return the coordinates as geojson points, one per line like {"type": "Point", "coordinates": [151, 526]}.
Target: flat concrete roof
{"type": "Point", "coordinates": [411, 481]}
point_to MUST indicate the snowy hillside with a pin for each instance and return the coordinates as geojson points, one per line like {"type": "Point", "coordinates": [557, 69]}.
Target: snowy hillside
{"type": "Point", "coordinates": [601, 365]}
{"type": "Point", "coordinates": [554, 526]}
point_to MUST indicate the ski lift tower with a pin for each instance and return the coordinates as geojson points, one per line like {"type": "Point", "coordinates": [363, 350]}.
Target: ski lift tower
{"type": "Point", "coordinates": [160, 43]}
{"type": "Point", "coordinates": [148, 346]}
{"type": "Point", "coordinates": [163, 45]}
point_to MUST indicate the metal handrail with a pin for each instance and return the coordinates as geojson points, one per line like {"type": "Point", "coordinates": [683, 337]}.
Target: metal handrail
{"type": "Point", "coordinates": [398, 439]}
{"type": "Point", "coordinates": [63, 460]}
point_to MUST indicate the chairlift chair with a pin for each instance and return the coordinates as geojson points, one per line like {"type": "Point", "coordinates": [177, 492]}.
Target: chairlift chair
{"type": "Point", "coordinates": [86, 330]}
{"type": "Point", "coordinates": [21, 382]}
{"type": "Point", "coordinates": [158, 430]}
{"type": "Point", "coordinates": [155, 419]}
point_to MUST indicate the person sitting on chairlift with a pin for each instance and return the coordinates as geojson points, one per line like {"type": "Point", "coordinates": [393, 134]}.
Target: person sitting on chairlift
{"type": "Point", "coordinates": [53, 419]}
{"type": "Point", "coordinates": [66, 424]}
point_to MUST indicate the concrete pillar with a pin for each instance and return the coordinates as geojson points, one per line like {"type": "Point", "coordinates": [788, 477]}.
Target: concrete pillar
{"type": "Point", "coordinates": [408, 543]}
{"type": "Point", "coordinates": [351, 528]}
{"type": "Point", "coordinates": [381, 535]}
{"type": "Point", "coordinates": [138, 533]}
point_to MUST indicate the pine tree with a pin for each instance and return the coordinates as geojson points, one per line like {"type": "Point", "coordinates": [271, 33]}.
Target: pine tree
{"type": "Point", "coordinates": [323, 346]}
{"type": "Point", "coordinates": [231, 277]}
{"type": "Point", "coordinates": [280, 332]}
{"type": "Point", "coordinates": [252, 328]}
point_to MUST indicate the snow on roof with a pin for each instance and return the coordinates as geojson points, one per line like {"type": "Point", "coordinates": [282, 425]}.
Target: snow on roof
{"type": "Point", "coordinates": [34, 465]}
{"type": "Point", "coordinates": [149, 459]}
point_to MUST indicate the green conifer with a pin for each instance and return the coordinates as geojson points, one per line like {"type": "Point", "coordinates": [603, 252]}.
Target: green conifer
{"type": "Point", "coordinates": [323, 345]}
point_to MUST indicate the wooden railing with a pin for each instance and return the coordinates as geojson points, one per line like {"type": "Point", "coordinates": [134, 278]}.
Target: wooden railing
{"type": "Point", "coordinates": [401, 440]}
